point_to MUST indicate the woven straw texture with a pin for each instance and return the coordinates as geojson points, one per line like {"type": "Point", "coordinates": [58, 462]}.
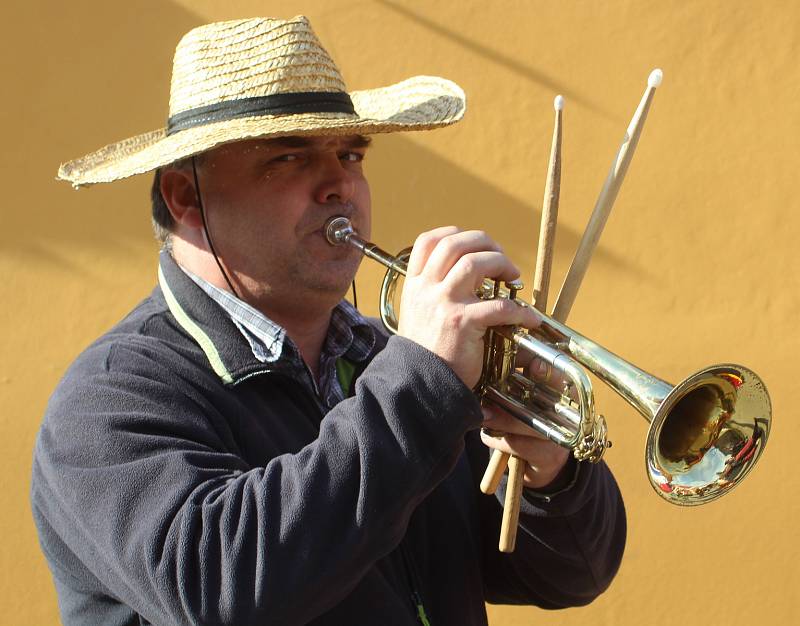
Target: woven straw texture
{"type": "Point", "coordinates": [227, 61]}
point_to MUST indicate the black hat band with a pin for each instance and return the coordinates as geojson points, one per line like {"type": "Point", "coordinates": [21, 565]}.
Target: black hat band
{"type": "Point", "coordinates": [275, 104]}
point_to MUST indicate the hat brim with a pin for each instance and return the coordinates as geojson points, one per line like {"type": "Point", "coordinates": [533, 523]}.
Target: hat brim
{"type": "Point", "coordinates": [419, 103]}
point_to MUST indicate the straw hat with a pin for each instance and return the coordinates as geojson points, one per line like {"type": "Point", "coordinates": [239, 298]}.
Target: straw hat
{"type": "Point", "coordinates": [264, 78]}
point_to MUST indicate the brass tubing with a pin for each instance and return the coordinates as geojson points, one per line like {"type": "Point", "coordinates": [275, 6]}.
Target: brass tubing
{"type": "Point", "coordinates": [583, 439]}
{"type": "Point", "coordinates": [706, 433]}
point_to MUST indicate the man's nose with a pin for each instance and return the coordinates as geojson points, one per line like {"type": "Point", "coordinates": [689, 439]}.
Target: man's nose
{"type": "Point", "coordinates": [336, 182]}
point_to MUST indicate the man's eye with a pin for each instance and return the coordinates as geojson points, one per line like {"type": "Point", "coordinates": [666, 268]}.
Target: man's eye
{"type": "Point", "coordinates": [287, 157]}
{"type": "Point", "coordinates": [353, 157]}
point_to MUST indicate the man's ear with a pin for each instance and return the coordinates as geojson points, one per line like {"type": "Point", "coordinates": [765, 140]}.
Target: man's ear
{"type": "Point", "coordinates": [178, 191]}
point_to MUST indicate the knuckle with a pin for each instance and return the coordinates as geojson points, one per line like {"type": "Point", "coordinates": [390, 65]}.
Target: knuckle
{"type": "Point", "coordinates": [467, 264]}
{"type": "Point", "coordinates": [425, 239]}
{"type": "Point", "coordinates": [506, 307]}
{"type": "Point", "coordinates": [450, 243]}
{"type": "Point", "coordinates": [435, 236]}
{"type": "Point", "coordinates": [486, 240]}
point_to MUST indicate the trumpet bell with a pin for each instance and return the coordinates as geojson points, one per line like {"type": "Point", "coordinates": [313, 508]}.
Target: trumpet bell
{"type": "Point", "coordinates": [707, 434]}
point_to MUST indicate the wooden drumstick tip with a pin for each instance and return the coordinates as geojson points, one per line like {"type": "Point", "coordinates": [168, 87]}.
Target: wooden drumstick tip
{"type": "Point", "coordinates": [605, 201]}
{"type": "Point", "coordinates": [494, 472]}
{"type": "Point", "coordinates": [655, 78]}
{"type": "Point", "coordinates": [558, 103]}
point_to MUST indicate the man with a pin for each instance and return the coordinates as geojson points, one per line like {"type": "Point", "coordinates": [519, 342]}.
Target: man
{"type": "Point", "coordinates": [244, 447]}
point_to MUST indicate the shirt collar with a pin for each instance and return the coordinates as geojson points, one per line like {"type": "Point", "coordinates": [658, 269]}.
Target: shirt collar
{"type": "Point", "coordinates": [350, 335]}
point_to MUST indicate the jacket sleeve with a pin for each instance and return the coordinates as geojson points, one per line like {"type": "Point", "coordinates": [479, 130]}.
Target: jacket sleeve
{"type": "Point", "coordinates": [143, 488]}
{"type": "Point", "coordinates": [569, 544]}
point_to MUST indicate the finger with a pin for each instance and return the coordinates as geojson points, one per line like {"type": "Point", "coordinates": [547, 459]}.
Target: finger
{"type": "Point", "coordinates": [536, 368]}
{"type": "Point", "coordinates": [500, 312]}
{"type": "Point", "coordinates": [547, 375]}
{"type": "Point", "coordinates": [544, 459]}
{"type": "Point", "coordinates": [525, 358]}
{"type": "Point", "coordinates": [523, 446]}
{"type": "Point", "coordinates": [543, 373]}
{"type": "Point", "coordinates": [469, 271]}
{"type": "Point", "coordinates": [498, 420]}
{"type": "Point", "coordinates": [496, 442]}
{"type": "Point", "coordinates": [424, 245]}
{"type": "Point", "coordinates": [449, 250]}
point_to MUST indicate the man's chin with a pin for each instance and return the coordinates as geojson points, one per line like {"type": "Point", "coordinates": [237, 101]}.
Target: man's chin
{"type": "Point", "coordinates": [336, 276]}
{"type": "Point", "coordinates": [336, 289]}
{"type": "Point", "coordinates": [330, 278]}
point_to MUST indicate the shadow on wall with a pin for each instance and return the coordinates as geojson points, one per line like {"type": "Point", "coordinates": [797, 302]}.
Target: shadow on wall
{"type": "Point", "coordinates": [82, 88]}
{"type": "Point", "coordinates": [523, 70]}
{"type": "Point", "coordinates": [414, 190]}
{"type": "Point", "coordinates": [77, 83]}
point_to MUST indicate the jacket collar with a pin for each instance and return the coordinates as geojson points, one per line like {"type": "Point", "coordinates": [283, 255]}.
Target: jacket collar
{"type": "Point", "coordinates": [228, 352]}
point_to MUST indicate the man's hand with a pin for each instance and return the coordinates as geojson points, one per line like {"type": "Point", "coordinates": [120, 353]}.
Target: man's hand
{"type": "Point", "coordinates": [545, 459]}
{"type": "Point", "coordinates": [440, 309]}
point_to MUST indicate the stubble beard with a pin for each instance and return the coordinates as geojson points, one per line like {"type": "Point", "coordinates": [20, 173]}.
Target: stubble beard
{"type": "Point", "coordinates": [328, 277]}
{"type": "Point", "coordinates": [310, 282]}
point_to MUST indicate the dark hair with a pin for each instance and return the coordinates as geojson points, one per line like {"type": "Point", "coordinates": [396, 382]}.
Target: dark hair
{"type": "Point", "coordinates": [161, 217]}
{"type": "Point", "coordinates": [163, 223]}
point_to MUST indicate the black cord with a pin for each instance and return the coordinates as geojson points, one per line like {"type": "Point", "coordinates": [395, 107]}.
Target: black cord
{"type": "Point", "coordinates": [208, 234]}
{"type": "Point", "coordinates": [355, 297]}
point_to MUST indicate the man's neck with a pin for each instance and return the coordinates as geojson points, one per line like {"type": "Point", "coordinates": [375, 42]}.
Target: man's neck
{"type": "Point", "coordinates": [307, 331]}
{"type": "Point", "coordinates": [308, 335]}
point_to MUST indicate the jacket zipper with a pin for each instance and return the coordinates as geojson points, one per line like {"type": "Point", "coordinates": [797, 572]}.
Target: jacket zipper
{"type": "Point", "coordinates": [413, 583]}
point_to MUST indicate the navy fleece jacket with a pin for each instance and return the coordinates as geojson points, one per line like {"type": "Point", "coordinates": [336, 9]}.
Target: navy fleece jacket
{"type": "Point", "coordinates": [178, 480]}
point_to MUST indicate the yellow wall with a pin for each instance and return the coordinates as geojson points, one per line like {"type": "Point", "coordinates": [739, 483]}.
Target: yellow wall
{"type": "Point", "coordinates": [698, 263]}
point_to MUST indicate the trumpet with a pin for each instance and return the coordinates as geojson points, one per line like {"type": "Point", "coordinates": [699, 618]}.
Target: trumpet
{"type": "Point", "coordinates": [706, 433]}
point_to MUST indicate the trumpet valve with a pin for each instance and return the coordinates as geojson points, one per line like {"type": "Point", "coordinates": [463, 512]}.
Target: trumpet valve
{"type": "Point", "coordinates": [513, 287]}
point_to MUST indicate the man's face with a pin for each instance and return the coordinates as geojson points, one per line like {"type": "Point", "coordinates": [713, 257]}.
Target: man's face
{"type": "Point", "coordinates": [267, 202]}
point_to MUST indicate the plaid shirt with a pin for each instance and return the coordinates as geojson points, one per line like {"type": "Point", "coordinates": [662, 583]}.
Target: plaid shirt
{"type": "Point", "coordinates": [349, 336]}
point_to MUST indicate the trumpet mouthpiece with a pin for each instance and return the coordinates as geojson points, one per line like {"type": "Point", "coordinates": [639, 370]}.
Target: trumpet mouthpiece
{"type": "Point", "coordinates": [337, 230]}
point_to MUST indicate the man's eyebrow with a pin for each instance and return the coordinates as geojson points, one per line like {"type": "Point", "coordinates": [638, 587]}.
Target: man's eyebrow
{"type": "Point", "coordinates": [290, 142]}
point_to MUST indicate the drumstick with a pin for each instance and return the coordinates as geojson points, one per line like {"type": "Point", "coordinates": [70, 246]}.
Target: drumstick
{"type": "Point", "coordinates": [569, 289]}
{"type": "Point", "coordinates": [605, 201]}
{"type": "Point", "coordinates": [541, 283]}
{"type": "Point", "coordinates": [547, 229]}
